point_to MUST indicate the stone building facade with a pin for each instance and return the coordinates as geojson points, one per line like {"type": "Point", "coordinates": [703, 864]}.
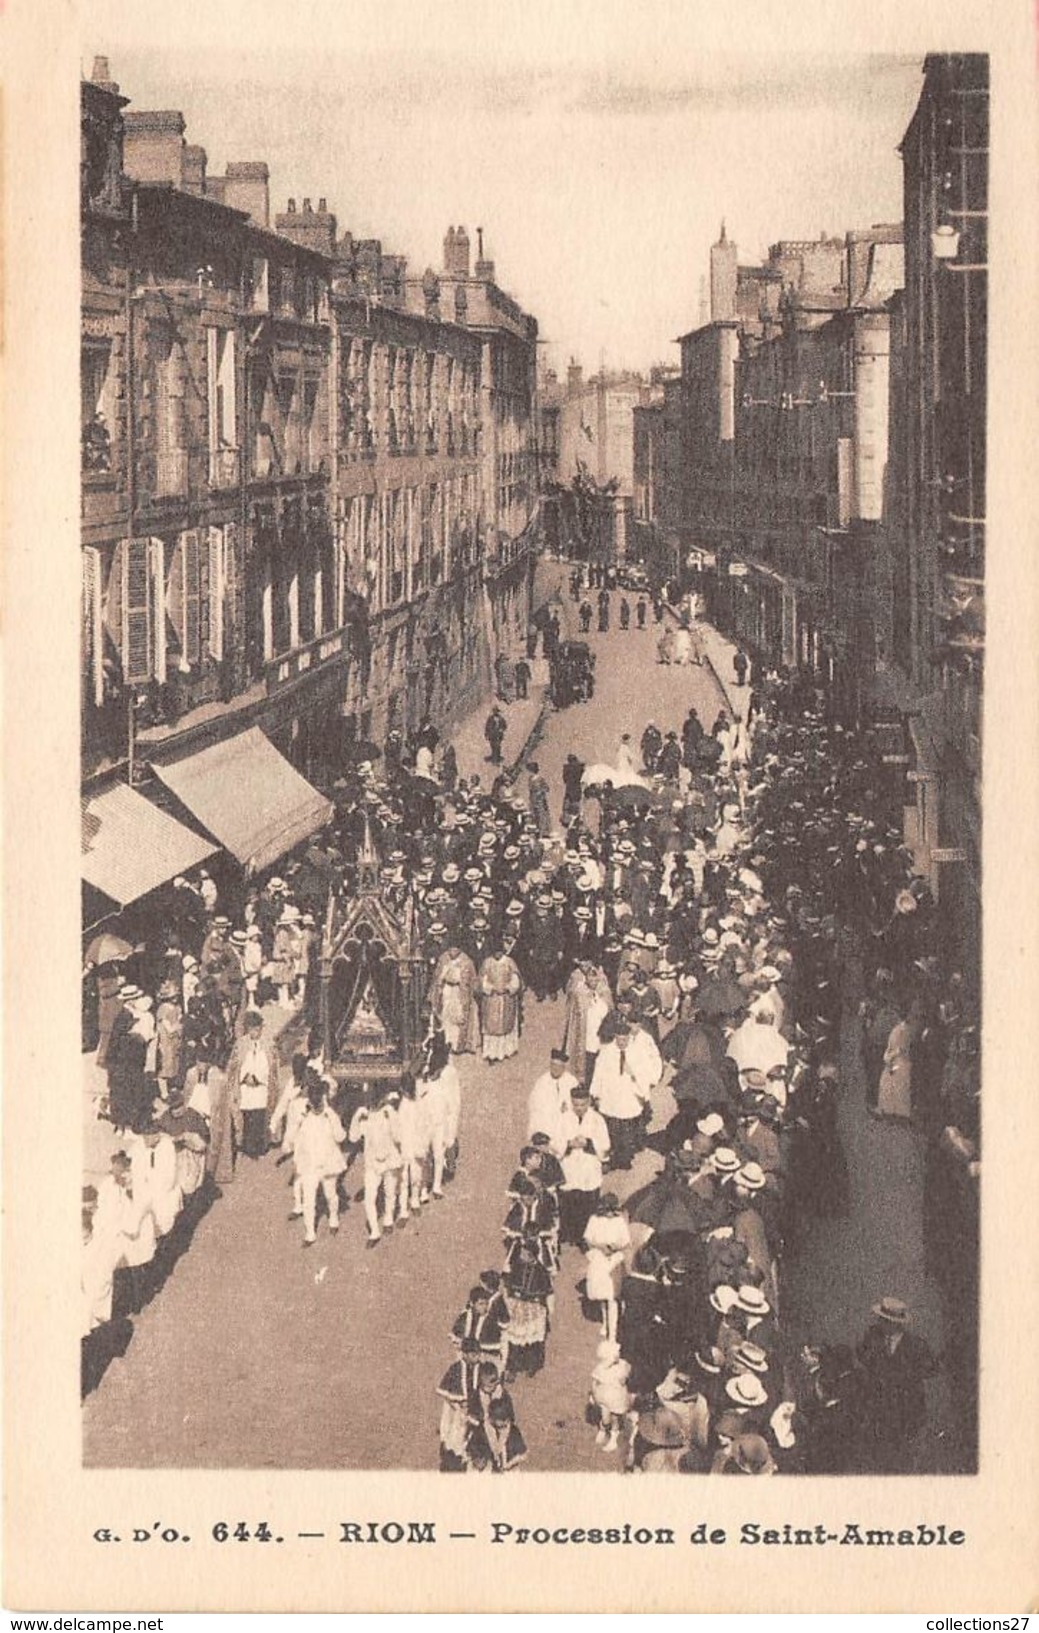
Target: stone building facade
{"type": "Point", "coordinates": [934, 665]}
{"type": "Point", "coordinates": [310, 485]}
{"type": "Point", "coordinates": [779, 431]}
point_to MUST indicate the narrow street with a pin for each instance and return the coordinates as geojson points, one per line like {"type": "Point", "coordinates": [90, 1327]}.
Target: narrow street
{"type": "Point", "coordinates": [249, 1328]}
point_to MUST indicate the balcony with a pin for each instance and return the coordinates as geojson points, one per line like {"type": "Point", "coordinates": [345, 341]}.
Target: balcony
{"type": "Point", "coordinates": [223, 467]}
{"type": "Point", "coordinates": [306, 660]}
{"type": "Point", "coordinates": [171, 472]}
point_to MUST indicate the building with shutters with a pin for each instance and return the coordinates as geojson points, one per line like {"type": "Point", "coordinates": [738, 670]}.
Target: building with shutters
{"type": "Point", "coordinates": [778, 431]}
{"type": "Point", "coordinates": [933, 660]}
{"type": "Point", "coordinates": [208, 554]}
{"type": "Point", "coordinates": [310, 484]}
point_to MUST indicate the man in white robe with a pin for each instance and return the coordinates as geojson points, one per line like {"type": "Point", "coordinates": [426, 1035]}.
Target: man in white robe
{"type": "Point", "coordinates": [550, 1100]}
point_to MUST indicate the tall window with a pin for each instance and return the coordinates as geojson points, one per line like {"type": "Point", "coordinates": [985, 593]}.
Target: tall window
{"type": "Point", "coordinates": [187, 600]}
{"type": "Point", "coordinates": [221, 393]}
{"type": "Point", "coordinates": [259, 285]}
{"type": "Point", "coordinates": [171, 414]}
{"type": "Point", "coordinates": [98, 404]}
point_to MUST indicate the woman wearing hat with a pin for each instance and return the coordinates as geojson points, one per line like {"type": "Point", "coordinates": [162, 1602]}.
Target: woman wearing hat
{"type": "Point", "coordinates": [283, 968]}
{"type": "Point", "coordinates": [169, 1028]}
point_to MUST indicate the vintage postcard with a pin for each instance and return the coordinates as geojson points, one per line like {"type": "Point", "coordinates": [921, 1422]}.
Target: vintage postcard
{"type": "Point", "coordinates": [520, 606]}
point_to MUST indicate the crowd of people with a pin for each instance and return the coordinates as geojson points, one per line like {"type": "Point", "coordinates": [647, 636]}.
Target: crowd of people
{"type": "Point", "coordinates": [716, 930]}
{"type": "Point", "coordinates": [706, 925]}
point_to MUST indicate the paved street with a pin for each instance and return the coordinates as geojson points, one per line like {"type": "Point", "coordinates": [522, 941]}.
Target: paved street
{"type": "Point", "coordinates": [250, 1332]}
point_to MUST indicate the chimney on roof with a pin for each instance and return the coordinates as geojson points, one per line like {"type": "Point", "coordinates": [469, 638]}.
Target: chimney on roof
{"type": "Point", "coordinates": [153, 146]}
{"type": "Point", "coordinates": [309, 228]}
{"type": "Point", "coordinates": [247, 187]}
{"type": "Point", "coordinates": [483, 269]}
{"type": "Point", "coordinates": [193, 169]}
{"type": "Point", "coordinates": [100, 76]}
{"type": "Point", "coordinates": [456, 252]}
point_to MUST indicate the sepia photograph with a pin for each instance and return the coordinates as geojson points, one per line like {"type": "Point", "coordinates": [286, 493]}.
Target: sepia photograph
{"type": "Point", "coordinates": [533, 534]}
{"type": "Point", "coordinates": [498, 607]}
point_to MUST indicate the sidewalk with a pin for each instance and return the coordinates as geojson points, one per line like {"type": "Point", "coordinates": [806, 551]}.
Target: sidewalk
{"type": "Point", "coordinates": [718, 650]}
{"type": "Point", "coordinates": [522, 719]}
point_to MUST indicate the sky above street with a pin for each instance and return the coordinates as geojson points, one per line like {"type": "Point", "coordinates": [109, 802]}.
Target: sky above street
{"type": "Point", "coordinates": [599, 156]}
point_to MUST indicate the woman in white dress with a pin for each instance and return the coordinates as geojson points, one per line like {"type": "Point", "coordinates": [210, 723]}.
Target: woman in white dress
{"type": "Point", "coordinates": [606, 1239]}
{"type": "Point", "coordinates": [895, 1092]}
{"type": "Point", "coordinates": [683, 645]}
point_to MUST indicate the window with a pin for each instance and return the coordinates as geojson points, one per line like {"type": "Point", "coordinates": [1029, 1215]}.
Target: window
{"type": "Point", "coordinates": [288, 422]}
{"type": "Point", "coordinates": [287, 292]}
{"type": "Point", "coordinates": [186, 602]}
{"type": "Point", "coordinates": [171, 452]}
{"type": "Point", "coordinates": [98, 401]}
{"type": "Point", "coordinates": [312, 437]}
{"type": "Point", "coordinates": [259, 285]}
{"type": "Point", "coordinates": [221, 394]}
{"type": "Point", "coordinates": [267, 420]}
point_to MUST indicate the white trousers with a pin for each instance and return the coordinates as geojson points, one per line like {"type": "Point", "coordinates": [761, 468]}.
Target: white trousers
{"type": "Point", "coordinates": [387, 1183]}
{"type": "Point", "coordinates": [310, 1185]}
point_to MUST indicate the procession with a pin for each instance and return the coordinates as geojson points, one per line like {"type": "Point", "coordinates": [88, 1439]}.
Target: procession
{"type": "Point", "coordinates": [531, 816]}
{"type": "Point", "coordinates": [706, 914]}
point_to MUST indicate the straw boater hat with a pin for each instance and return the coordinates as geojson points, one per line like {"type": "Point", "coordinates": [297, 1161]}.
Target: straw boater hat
{"type": "Point", "coordinates": [751, 1357]}
{"type": "Point", "coordinates": [752, 1300]}
{"type": "Point", "coordinates": [751, 1176]}
{"type": "Point", "coordinates": [723, 1298]}
{"type": "Point", "coordinates": [892, 1310]}
{"type": "Point", "coordinates": [725, 1160]}
{"type": "Point", "coordinates": [746, 1390]}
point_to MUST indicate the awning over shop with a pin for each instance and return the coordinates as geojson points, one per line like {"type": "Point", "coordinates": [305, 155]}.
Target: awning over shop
{"type": "Point", "coordinates": [249, 797]}
{"type": "Point", "coordinates": [129, 846]}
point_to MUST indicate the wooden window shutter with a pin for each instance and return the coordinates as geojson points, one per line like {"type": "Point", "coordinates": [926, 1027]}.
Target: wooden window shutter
{"type": "Point", "coordinates": [203, 590]}
{"type": "Point", "coordinates": [137, 635]}
{"type": "Point", "coordinates": [192, 594]}
{"type": "Point", "coordinates": [93, 669]}
{"type": "Point", "coordinates": [216, 593]}
{"type": "Point", "coordinates": [113, 601]}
